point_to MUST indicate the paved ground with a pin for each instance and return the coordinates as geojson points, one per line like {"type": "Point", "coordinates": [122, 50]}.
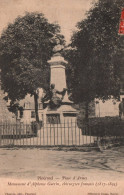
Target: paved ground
{"type": "Point", "coordinates": [30, 163]}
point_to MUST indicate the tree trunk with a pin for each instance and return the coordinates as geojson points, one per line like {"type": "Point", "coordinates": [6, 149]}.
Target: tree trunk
{"type": "Point", "coordinates": [36, 107]}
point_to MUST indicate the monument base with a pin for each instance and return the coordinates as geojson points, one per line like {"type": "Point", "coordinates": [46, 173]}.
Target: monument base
{"type": "Point", "coordinates": [65, 113]}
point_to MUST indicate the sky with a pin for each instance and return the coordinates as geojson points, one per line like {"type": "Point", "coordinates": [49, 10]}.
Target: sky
{"type": "Point", "coordinates": [65, 12]}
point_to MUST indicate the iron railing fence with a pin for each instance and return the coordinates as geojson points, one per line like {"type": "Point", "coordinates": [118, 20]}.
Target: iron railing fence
{"type": "Point", "coordinates": [60, 134]}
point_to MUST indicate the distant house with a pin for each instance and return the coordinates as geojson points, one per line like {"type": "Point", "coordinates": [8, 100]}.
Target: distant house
{"type": "Point", "coordinates": [26, 111]}
{"type": "Point", "coordinates": [108, 108]}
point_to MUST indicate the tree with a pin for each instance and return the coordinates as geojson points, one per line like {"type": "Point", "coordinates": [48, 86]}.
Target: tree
{"type": "Point", "coordinates": [25, 47]}
{"type": "Point", "coordinates": [95, 53]}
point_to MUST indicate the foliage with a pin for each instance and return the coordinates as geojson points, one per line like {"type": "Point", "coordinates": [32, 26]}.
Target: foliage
{"type": "Point", "coordinates": [25, 47]}
{"type": "Point", "coordinates": [103, 126]}
{"type": "Point", "coordinates": [95, 56]}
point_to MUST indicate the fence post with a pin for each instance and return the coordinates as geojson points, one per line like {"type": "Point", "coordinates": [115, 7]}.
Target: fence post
{"type": "Point", "coordinates": [46, 126]}
{"type": "Point", "coordinates": [75, 132]}
{"type": "Point", "coordinates": [79, 136]}
{"type": "Point", "coordinates": [72, 130]}
{"type": "Point", "coordinates": [64, 133]}
{"type": "Point", "coordinates": [61, 132]}
{"type": "Point", "coordinates": [68, 131]}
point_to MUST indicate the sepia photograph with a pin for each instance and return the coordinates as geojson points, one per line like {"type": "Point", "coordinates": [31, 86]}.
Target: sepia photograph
{"type": "Point", "coordinates": [61, 97]}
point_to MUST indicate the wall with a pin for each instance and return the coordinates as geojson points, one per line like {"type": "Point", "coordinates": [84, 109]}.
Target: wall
{"type": "Point", "coordinates": [108, 108]}
{"type": "Point", "coordinates": [27, 116]}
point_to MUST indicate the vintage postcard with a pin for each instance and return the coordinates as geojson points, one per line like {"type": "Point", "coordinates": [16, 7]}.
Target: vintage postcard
{"type": "Point", "coordinates": [61, 97]}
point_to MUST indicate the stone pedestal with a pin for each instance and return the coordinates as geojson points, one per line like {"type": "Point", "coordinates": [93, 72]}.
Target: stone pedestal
{"type": "Point", "coordinates": [57, 67]}
{"type": "Point", "coordinates": [58, 77]}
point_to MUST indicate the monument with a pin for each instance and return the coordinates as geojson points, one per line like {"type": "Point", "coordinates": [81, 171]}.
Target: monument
{"type": "Point", "coordinates": [59, 107]}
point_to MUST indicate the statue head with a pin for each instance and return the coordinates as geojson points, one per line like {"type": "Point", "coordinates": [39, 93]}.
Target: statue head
{"type": "Point", "coordinates": [52, 86]}
{"type": "Point", "coordinates": [58, 47]}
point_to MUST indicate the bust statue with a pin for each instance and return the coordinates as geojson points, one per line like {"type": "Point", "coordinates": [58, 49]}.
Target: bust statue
{"type": "Point", "coordinates": [58, 47]}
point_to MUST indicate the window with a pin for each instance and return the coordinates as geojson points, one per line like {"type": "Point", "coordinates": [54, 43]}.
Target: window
{"type": "Point", "coordinates": [32, 114]}
{"type": "Point", "coordinates": [40, 106]}
{"type": "Point", "coordinates": [21, 113]}
{"type": "Point", "coordinates": [27, 105]}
